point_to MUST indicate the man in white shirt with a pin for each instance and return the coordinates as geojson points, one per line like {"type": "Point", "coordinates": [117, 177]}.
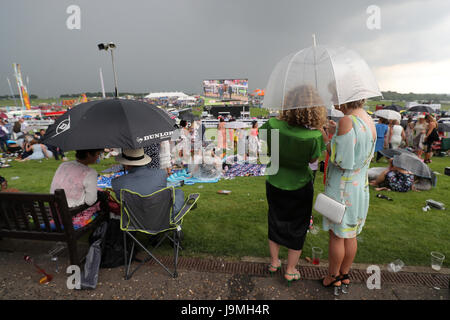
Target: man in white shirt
{"type": "Point", "coordinates": [23, 125]}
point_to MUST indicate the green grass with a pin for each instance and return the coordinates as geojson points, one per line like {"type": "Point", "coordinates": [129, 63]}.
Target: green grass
{"type": "Point", "coordinates": [235, 225]}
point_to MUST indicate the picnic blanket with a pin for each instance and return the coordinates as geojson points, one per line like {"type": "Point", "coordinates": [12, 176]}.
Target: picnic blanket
{"type": "Point", "coordinates": [245, 170]}
{"type": "Point", "coordinates": [81, 220]}
{"type": "Point", "coordinates": [105, 181]}
{"type": "Point", "coordinates": [182, 175]}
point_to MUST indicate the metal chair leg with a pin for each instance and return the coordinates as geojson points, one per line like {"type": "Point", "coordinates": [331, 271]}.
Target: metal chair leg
{"type": "Point", "coordinates": [125, 254]}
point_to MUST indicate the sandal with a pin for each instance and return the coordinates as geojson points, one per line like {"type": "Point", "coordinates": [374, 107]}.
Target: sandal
{"type": "Point", "coordinates": [273, 269]}
{"type": "Point", "coordinates": [332, 283]}
{"type": "Point", "coordinates": [295, 277]}
{"type": "Point", "coordinates": [345, 286]}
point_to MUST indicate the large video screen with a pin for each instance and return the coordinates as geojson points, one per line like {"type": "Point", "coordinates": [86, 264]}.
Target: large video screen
{"type": "Point", "coordinates": [226, 89]}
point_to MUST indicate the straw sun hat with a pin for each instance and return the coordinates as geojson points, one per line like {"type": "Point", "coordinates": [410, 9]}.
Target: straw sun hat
{"type": "Point", "coordinates": [133, 157]}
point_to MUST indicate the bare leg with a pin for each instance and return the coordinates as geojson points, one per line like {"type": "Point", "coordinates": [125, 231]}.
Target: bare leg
{"type": "Point", "coordinates": [351, 246]}
{"type": "Point", "coordinates": [336, 254]}
{"type": "Point", "coordinates": [274, 249]}
{"type": "Point", "coordinates": [293, 256]}
{"type": "Point", "coordinates": [380, 178]}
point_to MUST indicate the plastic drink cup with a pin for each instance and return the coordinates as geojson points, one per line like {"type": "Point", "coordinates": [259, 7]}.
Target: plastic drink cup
{"type": "Point", "coordinates": [316, 255]}
{"type": "Point", "coordinates": [396, 265]}
{"type": "Point", "coordinates": [436, 260]}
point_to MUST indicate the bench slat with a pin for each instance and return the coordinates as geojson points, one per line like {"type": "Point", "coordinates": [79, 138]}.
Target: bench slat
{"type": "Point", "coordinates": [23, 216]}
{"type": "Point", "coordinates": [37, 223]}
{"type": "Point", "coordinates": [55, 215]}
{"type": "Point", "coordinates": [12, 212]}
{"type": "Point", "coordinates": [4, 215]}
{"type": "Point", "coordinates": [44, 215]}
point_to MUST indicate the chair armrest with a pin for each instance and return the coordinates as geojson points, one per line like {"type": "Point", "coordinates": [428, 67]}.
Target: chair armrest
{"type": "Point", "coordinates": [191, 202]}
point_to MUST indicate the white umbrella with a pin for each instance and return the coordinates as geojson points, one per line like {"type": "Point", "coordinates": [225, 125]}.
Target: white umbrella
{"type": "Point", "coordinates": [388, 114]}
{"type": "Point", "coordinates": [334, 114]}
{"type": "Point", "coordinates": [337, 75]}
{"type": "Point", "coordinates": [237, 125]}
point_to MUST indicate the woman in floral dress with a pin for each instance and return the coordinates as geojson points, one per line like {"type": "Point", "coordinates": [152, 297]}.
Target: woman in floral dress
{"type": "Point", "coordinates": [351, 150]}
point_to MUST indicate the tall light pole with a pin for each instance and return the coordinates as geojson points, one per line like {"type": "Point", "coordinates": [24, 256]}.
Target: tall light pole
{"type": "Point", "coordinates": [106, 46]}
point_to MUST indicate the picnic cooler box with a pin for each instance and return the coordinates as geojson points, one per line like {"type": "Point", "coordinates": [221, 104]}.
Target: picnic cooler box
{"type": "Point", "coordinates": [447, 171]}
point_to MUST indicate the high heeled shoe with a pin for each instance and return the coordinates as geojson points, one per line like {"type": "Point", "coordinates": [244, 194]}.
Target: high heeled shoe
{"type": "Point", "coordinates": [273, 269]}
{"type": "Point", "coordinates": [295, 277]}
{"type": "Point", "coordinates": [333, 284]}
{"type": "Point", "coordinates": [345, 286]}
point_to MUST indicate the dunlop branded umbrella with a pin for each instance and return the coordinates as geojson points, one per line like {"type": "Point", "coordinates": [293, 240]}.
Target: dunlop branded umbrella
{"type": "Point", "coordinates": [110, 123]}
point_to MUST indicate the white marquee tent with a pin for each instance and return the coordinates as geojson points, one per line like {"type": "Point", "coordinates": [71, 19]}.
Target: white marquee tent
{"type": "Point", "coordinates": [157, 95]}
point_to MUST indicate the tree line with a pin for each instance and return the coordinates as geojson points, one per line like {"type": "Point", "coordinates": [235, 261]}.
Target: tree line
{"type": "Point", "coordinates": [425, 97]}
{"type": "Point", "coordinates": [387, 95]}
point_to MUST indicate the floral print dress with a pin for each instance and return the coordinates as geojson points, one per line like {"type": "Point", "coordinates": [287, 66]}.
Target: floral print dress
{"type": "Point", "coordinates": [347, 180]}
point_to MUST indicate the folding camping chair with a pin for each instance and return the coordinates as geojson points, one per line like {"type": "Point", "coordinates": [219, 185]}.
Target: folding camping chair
{"type": "Point", "coordinates": [153, 215]}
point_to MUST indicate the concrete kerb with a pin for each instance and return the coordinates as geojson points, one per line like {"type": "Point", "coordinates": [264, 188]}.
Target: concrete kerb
{"type": "Point", "coordinates": [355, 266]}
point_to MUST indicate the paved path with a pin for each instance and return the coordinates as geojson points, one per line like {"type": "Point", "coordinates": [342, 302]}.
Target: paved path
{"type": "Point", "coordinates": [203, 279]}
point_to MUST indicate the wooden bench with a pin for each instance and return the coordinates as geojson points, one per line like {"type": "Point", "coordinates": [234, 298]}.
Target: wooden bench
{"type": "Point", "coordinates": [20, 211]}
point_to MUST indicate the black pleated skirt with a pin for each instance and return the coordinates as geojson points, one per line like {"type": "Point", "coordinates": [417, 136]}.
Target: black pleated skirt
{"type": "Point", "coordinates": [289, 215]}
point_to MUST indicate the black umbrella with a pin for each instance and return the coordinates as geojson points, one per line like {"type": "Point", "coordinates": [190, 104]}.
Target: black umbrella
{"type": "Point", "coordinates": [390, 153]}
{"type": "Point", "coordinates": [188, 116]}
{"type": "Point", "coordinates": [414, 165]}
{"type": "Point", "coordinates": [111, 123]}
{"type": "Point", "coordinates": [421, 108]}
{"type": "Point", "coordinates": [444, 126]}
{"type": "Point", "coordinates": [394, 107]}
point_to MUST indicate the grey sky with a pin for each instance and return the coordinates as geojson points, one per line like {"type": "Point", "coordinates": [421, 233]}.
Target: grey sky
{"type": "Point", "coordinates": [174, 44]}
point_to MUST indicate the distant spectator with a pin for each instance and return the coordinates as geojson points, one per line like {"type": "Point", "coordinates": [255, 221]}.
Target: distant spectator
{"type": "Point", "coordinates": [17, 134]}
{"type": "Point", "coordinates": [3, 136]}
{"type": "Point", "coordinates": [396, 134]}
{"type": "Point", "coordinates": [382, 138]}
{"type": "Point", "coordinates": [409, 132]}
{"type": "Point", "coordinates": [23, 125]}
{"type": "Point", "coordinates": [431, 136]}
{"type": "Point", "coordinates": [4, 186]}
{"type": "Point", "coordinates": [40, 151]}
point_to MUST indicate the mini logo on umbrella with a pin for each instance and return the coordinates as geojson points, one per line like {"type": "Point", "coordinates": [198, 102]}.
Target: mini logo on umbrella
{"type": "Point", "coordinates": [63, 126]}
{"type": "Point", "coordinates": [139, 140]}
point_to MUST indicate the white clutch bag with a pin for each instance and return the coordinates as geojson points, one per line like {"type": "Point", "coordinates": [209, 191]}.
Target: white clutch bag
{"type": "Point", "coordinates": [329, 208]}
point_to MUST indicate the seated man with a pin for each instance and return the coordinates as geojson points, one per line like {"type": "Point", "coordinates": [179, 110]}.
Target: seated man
{"type": "Point", "coordinates": [142, 179]}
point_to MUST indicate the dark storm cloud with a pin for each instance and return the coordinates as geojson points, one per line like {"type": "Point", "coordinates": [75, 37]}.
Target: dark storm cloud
{"type": "Point", "coordinates": [174, 45]}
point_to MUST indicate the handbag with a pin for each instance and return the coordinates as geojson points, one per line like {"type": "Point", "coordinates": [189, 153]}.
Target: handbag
{"type": "Point", "coordinates": [329, 208]}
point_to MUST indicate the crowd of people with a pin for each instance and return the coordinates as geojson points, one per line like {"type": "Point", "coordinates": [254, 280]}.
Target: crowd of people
{"type": "Point", "coordinates": [418, 137]}
{"type": "Point", "coordinates": [18, 140]}
{"type": "Point", "coordinates": [304, 135]}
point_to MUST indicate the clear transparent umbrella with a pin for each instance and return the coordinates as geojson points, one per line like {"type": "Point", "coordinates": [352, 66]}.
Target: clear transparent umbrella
{"type": "Point", "coordinates": [334, 114]}
{"type": "Point", "coordinates": [388, 114]}
{"type": "Point", "coordinates": [319, 76]}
